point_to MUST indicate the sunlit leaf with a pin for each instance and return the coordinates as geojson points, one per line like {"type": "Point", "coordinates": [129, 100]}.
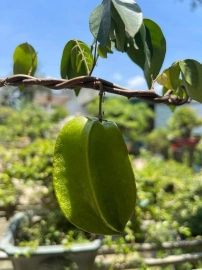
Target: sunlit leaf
{"type": "Point", "coordinates": [130, 14]}
{"type": "Point", "coordinates": [77, 60]}
{"type": "Point", "coordinates": [24, 60]}
{"type": "Point", "coordinates": [191, 73]}
{"type": "Point", "coordinates": [170, 77]}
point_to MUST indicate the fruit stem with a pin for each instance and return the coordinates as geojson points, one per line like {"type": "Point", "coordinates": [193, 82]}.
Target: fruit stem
{"type": "Point", "coordinates": [101, 93]}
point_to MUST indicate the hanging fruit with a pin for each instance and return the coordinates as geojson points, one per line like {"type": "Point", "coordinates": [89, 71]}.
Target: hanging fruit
{"type": "Point", "coordinates": [93, 177]}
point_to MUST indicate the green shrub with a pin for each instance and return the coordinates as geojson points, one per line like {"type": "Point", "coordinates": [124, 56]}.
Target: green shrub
{"type": "Point", "coordinates": [183, 121]}
{"type": "Point", "coordinates": [134, 120]}
{"type": "Point", "coordinates": [157, 141]}
{"type": "Point", "coordinates": [8, 194]}
{"type": "Point", "coordinates": [170, 191]}
{"type": "Point", "coordinates": [58, 114]}
{"type": "Point", "coordinates": [30, 121]}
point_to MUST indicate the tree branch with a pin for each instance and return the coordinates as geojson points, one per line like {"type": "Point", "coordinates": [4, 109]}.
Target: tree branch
{"type": "Point", "coordinates": [93, 83]}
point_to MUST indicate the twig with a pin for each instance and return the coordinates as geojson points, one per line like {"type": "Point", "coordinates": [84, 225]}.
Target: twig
{"type": "Point", "coordinates": [93, 83]}
{"type": "Point", "coordinates": [95, 58]}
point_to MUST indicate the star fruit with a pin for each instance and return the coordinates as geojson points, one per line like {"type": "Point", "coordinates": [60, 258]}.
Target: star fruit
{"type": "Point", "coordinates": [93, 177]}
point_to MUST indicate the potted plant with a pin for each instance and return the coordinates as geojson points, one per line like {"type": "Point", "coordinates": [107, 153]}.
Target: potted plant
{"type": "Point", "coordinates": [46, 257]}
{"type": "Point", "coordinates": [181, 125]}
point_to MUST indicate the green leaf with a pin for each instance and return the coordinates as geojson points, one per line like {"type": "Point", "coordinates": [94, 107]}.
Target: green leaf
{"type": "Point", "coordinates": [112, 30]}
{"type": "Point", "coordinates": [169, 78]}
{"type": "Point", "coordinates": [100, 21]}
{"type": "Point", "coordinates": [172, 107]}
{"type": "Point", "coordinates": [64, 65]}
{"type": "Point", "coordinates": [77, 60]}
{"type": "Point", "coordinates": [157, 47]}
{"type": "Point", "coordinates": [130, 14]}
{"type": "Point", "coordinates": [189, 70]}
{"type": "Point", "coordinates": [148, 49]}
{"type": "Point", "coordinates": [119, 28]}
{"type": "Point", "coordinates": [136, 48]}
{"type": "Point", "coordinates": [25, 60]}
{"type": "Point", "coordinates": [192, 78]}
{"type": "Point", "coordinates": [102, 51]}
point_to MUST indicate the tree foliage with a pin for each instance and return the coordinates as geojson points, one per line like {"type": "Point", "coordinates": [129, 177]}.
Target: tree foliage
{"type": "Point", "coordinates": [119, 25]}
{"type": "Point", "coordinates": [29, 121]}
{"type": "Point", "coordinates": [163, 196]}
{"type": "Point", "coordinates": [134, 120]}
{"type": "Point", "coordinates": [183, 121]}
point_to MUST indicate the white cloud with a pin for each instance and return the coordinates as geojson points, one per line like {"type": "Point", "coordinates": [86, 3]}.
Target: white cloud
{"type": "Point", "coordinates": [117, 76]}
{"type": "Point", "coordinates": [137, 83]}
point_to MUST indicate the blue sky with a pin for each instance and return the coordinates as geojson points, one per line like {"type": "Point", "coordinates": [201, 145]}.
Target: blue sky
{"type": "Point", "coordinates": [48, 25]}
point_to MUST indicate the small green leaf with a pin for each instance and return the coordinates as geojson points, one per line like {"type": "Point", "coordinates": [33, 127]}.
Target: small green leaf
{"type": "Point", "coordinates": [172, 107]}
{"type": "Point", "coordinates": [130, 14]}
{"type": "Point", "coordinates": [192, 78]}
{"type": "Point", "coordinates": [77, 60]}
{"type": "Point", "coordinates": [100, 21]}
{"type": "Point", "coordinates": [190, 71]}
{"type": "Point", "coordinates": [102, 51]}
{"type": "Point", "coordinates": [24, 60]}
{"type": "Point", "coordinates": [170, 77]}
{"type": "Point", "coordinates": [163, 78]}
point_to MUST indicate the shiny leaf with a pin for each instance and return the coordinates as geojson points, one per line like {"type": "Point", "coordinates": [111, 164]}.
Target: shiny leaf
{"type": "Point", "coordinates": [130, 14]}
{"type": "Point", "coordinates": [77, 60]}
{"type": "Point", "coordinates": [100, 21]}
{"type": "Point", "coordinates": [24, 60]}
{"type": "Point", "coordinates": [170, 77]}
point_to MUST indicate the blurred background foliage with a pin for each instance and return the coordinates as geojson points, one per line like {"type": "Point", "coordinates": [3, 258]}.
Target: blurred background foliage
{"type": "Point", "coordinates": [27, 138]}
{"type": "Point", "coordinates": [132, 119]}
{"type": "Point", "coordinates": [183, 121]}
{"type": "Point", "coordinates": [169, 193]}
{"type": "Point", "coordinates": [29, 121]}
